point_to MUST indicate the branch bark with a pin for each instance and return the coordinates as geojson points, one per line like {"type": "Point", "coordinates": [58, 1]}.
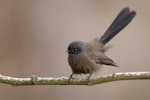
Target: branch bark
{"type": "Point", "coordinates": [35, 80]}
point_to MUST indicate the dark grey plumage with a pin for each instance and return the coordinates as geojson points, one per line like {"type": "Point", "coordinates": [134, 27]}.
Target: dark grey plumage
{"type": "Point", "coordinates": [121, 21]}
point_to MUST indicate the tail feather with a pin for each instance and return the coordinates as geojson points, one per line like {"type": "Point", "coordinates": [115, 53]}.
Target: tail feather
{"type": "Point", "coordinates": [121, 21]}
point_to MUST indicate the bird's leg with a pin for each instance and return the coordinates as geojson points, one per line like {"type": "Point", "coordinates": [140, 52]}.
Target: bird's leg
{"type": "Point", "coordinates": [88, 77]}
{"type": "Point", "coordinates": [70, 77]}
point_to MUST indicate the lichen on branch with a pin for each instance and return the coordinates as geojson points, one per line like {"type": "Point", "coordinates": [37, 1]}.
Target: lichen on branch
{"type": "Point", "coordinates": [35, 80]}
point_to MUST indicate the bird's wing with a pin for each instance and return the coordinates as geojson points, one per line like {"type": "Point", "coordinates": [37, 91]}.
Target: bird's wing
{"type": "Point", "coordinates": [103, 59]}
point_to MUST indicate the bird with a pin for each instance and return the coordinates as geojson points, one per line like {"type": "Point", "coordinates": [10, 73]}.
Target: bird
{"type": "Point", "coordinates": [88, 57]}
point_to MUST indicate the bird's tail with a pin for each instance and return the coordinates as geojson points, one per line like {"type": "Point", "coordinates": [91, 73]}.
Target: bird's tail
{"type": "Point", "coordinates": [121, 21]}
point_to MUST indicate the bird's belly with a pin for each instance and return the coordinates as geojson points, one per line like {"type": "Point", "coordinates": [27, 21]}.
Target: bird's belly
{"type": "Point", "coordinates": [82, 65]}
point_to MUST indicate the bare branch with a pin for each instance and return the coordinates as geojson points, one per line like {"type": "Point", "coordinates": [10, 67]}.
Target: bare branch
{"type": "Point", "coordinates": [35, 80]}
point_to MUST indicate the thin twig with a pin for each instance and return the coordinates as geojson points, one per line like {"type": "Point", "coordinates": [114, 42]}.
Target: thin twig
{"type": "Point", "coordinates": [35, 80]}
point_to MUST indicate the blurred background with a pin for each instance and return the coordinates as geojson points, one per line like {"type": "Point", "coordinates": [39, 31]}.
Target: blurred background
{"type": "Point", "coordinates": [34, 35]}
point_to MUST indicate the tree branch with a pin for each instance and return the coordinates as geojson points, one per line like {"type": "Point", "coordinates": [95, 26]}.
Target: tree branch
{"type": "Point", "coordinates": [35, 80]}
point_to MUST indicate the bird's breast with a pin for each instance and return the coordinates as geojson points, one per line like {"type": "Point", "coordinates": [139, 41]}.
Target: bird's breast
{"type": "Point", "coordinates": [82, 64]}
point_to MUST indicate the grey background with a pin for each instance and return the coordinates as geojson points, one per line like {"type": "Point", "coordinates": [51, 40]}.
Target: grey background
{"type": "Point", "coordinates": [34, 35]}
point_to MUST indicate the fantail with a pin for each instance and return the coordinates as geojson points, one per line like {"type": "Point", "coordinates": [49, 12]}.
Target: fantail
{"type": "Point", "coordinates": [87, 57]}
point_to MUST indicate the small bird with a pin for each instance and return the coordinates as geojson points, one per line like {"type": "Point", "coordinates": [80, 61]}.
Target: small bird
{"type": "Point", "coordinates": [87, 57]}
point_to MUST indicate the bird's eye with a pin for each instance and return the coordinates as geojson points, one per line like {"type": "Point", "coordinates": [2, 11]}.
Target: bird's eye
{"type": "Point", "coordinates": [75, 49]}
